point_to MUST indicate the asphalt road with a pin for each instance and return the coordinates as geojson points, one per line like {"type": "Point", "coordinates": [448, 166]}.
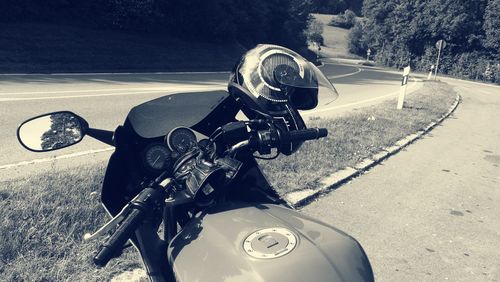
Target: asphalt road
{"type": "Point", "coordinates": [431, 212]}
{"type": "Point", "coordinates": [105, 99]}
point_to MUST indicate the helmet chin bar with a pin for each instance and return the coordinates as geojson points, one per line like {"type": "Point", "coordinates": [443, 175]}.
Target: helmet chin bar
{"type": "Point", "coordinates": [302, 102]}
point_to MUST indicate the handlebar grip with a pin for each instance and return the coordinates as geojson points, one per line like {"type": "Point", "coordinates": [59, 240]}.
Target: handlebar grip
{"type": "Point", "coordinates": [307, 134]}
{"type": "Point", "coordinates": [118, 239]}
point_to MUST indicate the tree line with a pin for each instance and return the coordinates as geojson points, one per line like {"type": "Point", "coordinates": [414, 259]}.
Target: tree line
{"type": "Point", "coordinates": [405, 32]}
{"type": "Point", "coordinates": [247, 22]}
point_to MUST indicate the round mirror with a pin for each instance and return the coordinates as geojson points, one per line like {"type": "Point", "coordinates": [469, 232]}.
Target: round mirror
{"type": "Point", "coordinates": [51, 131]}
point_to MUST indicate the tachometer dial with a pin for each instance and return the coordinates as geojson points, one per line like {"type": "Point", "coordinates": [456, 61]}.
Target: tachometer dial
{"type": "Point", "coordinates": [157, 156]}
{"type": "Point", "coordinates": [181, 139]}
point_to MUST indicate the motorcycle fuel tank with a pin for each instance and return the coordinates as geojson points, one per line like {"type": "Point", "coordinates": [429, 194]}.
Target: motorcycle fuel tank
{"type": "Point", "coordinates": [264, 242]}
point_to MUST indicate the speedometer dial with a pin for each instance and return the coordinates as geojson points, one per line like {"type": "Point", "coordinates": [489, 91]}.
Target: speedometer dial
{"type": "Point", "coordinates": [181, 139]}
{"type": "Point", "coordinates": [157, 156]}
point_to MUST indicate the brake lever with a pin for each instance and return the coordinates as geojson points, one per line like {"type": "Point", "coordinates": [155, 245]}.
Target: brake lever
{"type": "Point", "coordinates": [108, 226]}
{"type": "Point", "coordinates": [112, 223]}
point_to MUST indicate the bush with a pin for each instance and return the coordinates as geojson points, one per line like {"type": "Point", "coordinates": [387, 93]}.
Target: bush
{"type": "Point", "coordinates": [346, 20]}
{"type": "Point", "coordinates": [350, 18]}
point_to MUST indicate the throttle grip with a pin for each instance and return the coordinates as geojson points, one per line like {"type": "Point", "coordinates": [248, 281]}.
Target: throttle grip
{"type": "Point", "coordinates": [307, 134]}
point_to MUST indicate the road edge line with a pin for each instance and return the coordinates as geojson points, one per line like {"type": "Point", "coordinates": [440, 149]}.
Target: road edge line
{"type": "Point", "coordinates": [60, 157]}
{"type": "Point", "coordinates": [301, 198]}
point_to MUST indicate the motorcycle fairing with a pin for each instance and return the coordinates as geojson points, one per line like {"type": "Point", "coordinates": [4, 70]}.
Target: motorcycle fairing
{"type": "Point", "coordinates": [151, 121]}
{"type": "Point", "coordinates": [201, 111]}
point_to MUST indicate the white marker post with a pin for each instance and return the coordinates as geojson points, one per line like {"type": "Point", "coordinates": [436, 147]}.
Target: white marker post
{"type": "Point", "coordinates": [404, 84]}
{"type": "Point", "coordinates": [430, 73]}
{"type": "Point", "coordinates": [440, 44]}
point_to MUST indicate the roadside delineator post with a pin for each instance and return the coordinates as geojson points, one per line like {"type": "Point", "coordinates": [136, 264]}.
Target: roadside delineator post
{"type": "Point", "coordinates": [440, 44]}
{"type": "Point", "coordinates": [404, 84]}
{"type": "Point", "coordinates": [430, 73]}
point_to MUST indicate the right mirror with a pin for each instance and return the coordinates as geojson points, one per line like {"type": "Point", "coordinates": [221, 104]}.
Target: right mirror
{"type": "Point", "coordinates": [51, 131]}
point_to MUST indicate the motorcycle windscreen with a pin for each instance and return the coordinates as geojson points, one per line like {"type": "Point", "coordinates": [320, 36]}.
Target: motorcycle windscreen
{"type": "Point", "coordinates": [202, 111]}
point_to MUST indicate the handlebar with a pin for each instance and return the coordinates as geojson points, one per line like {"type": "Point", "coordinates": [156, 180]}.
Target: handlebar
{"type": "Point", "coordinates": [264, 136]}
{"type": "Point", "coordinates": [118, 239]}
{"type": "Point", "coordinates": [145, 202]}
{"type": "Point", "coordinates": [264, 140]}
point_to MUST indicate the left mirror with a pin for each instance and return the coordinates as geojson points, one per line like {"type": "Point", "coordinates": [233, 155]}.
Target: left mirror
{"type": "Point", "coordinates": [51, 131]}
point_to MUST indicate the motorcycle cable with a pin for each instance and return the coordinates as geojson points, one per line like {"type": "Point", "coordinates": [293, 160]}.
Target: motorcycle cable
{"type": "Point", "coordinates": [268, 158]}
{"type": "Point", "coordinates": [220, 131]}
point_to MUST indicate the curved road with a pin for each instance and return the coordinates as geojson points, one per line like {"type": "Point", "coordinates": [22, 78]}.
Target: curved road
{"type": "Point", "coordinates": [105, 99]}
{"type": "Point", "coordinates": [431, 212]}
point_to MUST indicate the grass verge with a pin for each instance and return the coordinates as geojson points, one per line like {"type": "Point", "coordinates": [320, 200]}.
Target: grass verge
{"type": "Point", "coordinates": [45, 216]}
{"type": "Point", "coordinates": [356, 136]}
{"type": "Point", "coordinates": [43, 220]}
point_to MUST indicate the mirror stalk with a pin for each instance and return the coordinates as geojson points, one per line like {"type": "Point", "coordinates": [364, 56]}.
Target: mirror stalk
{"type": "Point", "coordinates": [104, 136]}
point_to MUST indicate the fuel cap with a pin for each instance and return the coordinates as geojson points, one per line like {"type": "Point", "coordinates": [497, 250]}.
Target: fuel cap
{"type": "Point", "coordinates": [270, 243]}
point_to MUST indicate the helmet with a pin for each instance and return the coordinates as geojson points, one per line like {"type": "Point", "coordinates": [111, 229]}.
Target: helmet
{"type": "Point", "coordinates": [275, 82]}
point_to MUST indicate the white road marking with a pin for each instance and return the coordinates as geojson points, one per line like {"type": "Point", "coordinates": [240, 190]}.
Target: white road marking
{"type": "Point", "coordinates": [83, 153]}
{"type": "Point", "coordinates": [124, 92]}
{"type": "Point", "coordinates": [168, 87]}
{"type": "Point", "coordinates": [347, 74]}
{"type": "Point", "coordinates": [170, 90]}
{"type": "Point", "coordinates": [60, 157]}
{"type": "Point", "coordinates": [112, 73]}
{"type": "Point", "coordinates": [149, 90]}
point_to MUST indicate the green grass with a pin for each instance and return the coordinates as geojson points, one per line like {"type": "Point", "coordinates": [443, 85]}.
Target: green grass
{"type": "Point", "coordinates": [45, 48]}
{"type": "Point", "coordinates": [43, 220]}
{"type": "Point", "coordinates": [356, 136]}
{"type": "Point", "coordinates": [43, 217]}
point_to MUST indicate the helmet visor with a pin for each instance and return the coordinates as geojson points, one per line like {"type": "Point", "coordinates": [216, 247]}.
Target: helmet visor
{"type": "Point", "coordinates": [303, 83]}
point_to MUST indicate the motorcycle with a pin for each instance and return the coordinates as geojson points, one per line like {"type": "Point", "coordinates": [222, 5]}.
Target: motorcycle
{"type": "Point", "coordinates": [187, 192]}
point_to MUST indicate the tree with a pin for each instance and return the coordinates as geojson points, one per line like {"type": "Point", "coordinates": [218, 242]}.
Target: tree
{"type": "Point", "coordinates": [356, 45]}
{"type": "Point", "coordinates": [315, 32]}
{"type": "Point", "coordinates": [406, 31]}
{"type": "Point", "coordinates": [64, 130]}
{"type": "Point", "coordinates": [492, 25]}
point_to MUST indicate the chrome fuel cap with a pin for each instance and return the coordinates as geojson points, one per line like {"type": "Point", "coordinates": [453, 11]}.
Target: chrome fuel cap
{"type": "Point", "coordinates": [270, 243]}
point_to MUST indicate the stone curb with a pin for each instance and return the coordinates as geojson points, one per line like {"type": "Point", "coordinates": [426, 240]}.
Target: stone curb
{"type": "Point", "coordinates": [301, 198]}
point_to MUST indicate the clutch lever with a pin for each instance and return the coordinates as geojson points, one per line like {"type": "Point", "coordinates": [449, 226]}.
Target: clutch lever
{"type": "Point", "coordinates": [161, 180]}
{"type": "Point", "coordinates": [109, 225]}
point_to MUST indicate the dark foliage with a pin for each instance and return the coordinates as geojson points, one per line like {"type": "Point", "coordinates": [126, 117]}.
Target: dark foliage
{"type": "Point", "coordinates": [248, 22]}
{"type": "Point", "coordinates": [402, 32]}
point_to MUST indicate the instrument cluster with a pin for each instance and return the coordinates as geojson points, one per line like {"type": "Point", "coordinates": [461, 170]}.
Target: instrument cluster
{"type": "Point", "coordinates": [159, 156]}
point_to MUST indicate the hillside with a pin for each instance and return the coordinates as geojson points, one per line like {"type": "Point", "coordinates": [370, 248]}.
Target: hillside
{"type": "Point", "coordinates": [45, 48]}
